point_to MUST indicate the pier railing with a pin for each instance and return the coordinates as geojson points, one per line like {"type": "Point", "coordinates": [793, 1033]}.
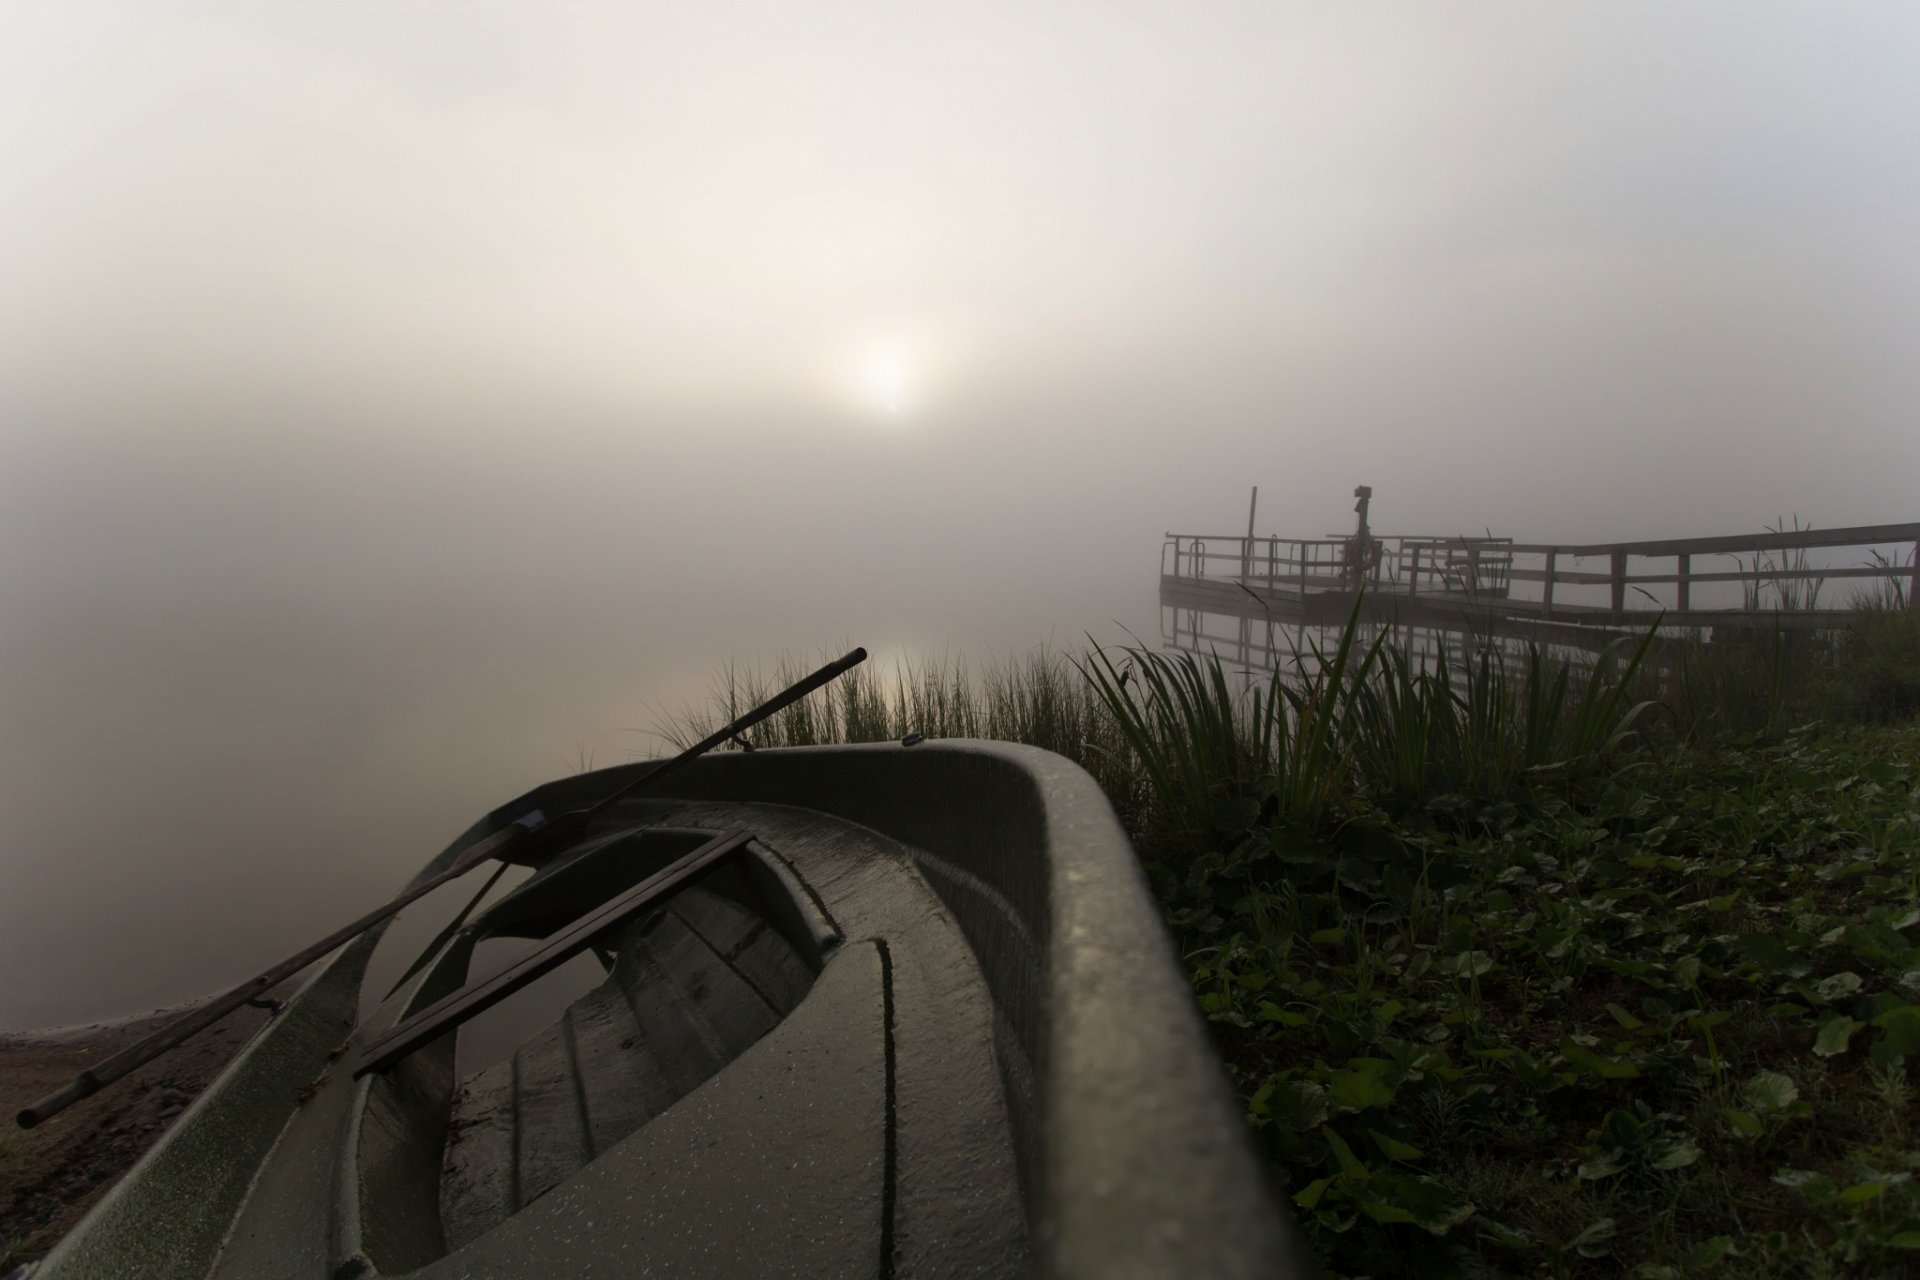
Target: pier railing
{"type": "Point", "coordinates": [1790, 576]}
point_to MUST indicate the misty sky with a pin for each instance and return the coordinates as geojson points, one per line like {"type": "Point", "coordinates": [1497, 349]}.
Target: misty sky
{"type": "Point", "coordinates": [398, 400]}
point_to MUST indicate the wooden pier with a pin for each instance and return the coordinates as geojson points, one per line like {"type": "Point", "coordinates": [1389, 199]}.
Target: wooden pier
{"type": "Point", "coordinates": [1577, 596]}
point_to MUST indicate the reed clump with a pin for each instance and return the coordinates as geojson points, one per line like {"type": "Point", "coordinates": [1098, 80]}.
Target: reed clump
{"type": "Point", "coordinates": [1190, 754]}
{"type": "Point", "coordinates": [1038, 698]}
{"type": "Point", "coordinates": [1875, 676]}
{"type": "Point", "coordinates": [1189, 749]}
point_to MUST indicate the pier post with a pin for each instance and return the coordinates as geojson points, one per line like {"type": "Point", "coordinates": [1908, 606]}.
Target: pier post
{"type": "Point", "coordinates": [1619, 583]}
{"type": "Point", "coordinates": [1246, 548]}
{"type": "Point", "coordinates": [1686, 581]}
{"type": "Point", "coordinates": [1546, 589]}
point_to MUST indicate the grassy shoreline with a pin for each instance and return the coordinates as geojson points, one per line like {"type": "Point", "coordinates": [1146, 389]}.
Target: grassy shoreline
{"type": "Point", "coordinates": [1519, 972]}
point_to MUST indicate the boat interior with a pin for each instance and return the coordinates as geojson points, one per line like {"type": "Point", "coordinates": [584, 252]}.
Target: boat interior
{"type": "Point", "coordinates": [449, 1163]}
{"type": "Point", "coordinates": [687, 987]}
{"type": "Point", "coordinates": [890, 1011]}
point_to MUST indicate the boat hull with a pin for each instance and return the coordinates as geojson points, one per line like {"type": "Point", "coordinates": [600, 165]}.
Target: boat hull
{"type": "Point", "coordinates": [997, 1069]}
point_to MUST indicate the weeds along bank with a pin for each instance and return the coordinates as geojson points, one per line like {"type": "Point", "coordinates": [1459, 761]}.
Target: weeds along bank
{"type": "Point", "coordinates": [1514, 977]}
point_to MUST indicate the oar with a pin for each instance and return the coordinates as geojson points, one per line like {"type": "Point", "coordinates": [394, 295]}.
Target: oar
{"type": "Point", "coordinates": [498, 845]}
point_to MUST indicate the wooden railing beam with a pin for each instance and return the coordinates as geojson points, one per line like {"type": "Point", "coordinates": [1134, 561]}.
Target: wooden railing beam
{"type": "Point", "coordinates": [1576, 577]}
{"type": "Point", "coordinates": [1865, 535]}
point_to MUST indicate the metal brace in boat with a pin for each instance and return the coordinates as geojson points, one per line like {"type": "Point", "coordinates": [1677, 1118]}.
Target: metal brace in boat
{"type": "Point", "coordinates": [477, 997]}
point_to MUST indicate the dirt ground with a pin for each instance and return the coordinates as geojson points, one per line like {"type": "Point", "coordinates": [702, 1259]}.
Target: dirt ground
{"type": "Point", "coordinates": [51, 1175]}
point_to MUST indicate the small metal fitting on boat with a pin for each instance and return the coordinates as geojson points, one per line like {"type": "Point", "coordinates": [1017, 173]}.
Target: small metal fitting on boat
{"type": "Point", "coordinates": [913, 739]}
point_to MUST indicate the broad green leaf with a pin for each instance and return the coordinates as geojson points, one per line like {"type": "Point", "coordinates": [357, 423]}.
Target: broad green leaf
{"type": "Point", "coordinates": [1297, 1105]}
{"type": "Point", "coordinates": [1383, 1211]}
{"type": "Point", "coordinates": [1875, 944]}
{"type": "Point", "coordinates": [1309, 1196]}
{"type": "Point", "coordinates": [1624, 1018]}
{"type": "Point", "coordinates": [1861, 1192]}
{"type": "Point", "coordinates": [1431, 1204]}
{"type": "Point", "coordinates": [1472, 964]}
{"type": "Point", "coordinates": [1621, 1129]}
{"type": "Point", "coordinates": [1606, 1068]}
{"type": "Point", "coordinates": [1769, 1091]}
{"type": "Point", "coordinates": [1358, 1090]}
{"type": "Point", "coordinates": [1327, 937]}
{"type": "Point", "coordinates": [1504, 1236]}
{"type": "Point", "coordinates": [1596, 1241]}
{"type": "Point", "coordinates": [1834, 1035]}
{"type": "Point", "coordinates": [1743, 1124]}
{"type": "Point", "coordinates": [1773, 955]}
{"type": "Point", "coordinates": [1601, 1166]}
{"type": "Point", "coordinates": [1677, 1154]}
{"type": "Point", "coordinates": [1838, 987]}
{"type": "Point", "coordinates": [1902, 1029]}
{"type": "Point", "coordinates": [1709, 1252]}
{"type": "Point", "coordinates": [1350, 1166]}
{"type": "Point", "coordinates": [1271, 1012]}
{"type": "Point", "coordinates": [1393, 1148]}
{"type": "Point", "coordinates": [1817, 1185]}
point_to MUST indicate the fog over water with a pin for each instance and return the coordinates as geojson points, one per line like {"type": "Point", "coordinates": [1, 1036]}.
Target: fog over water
{"type": "Point", "coordinates": [399, 401]}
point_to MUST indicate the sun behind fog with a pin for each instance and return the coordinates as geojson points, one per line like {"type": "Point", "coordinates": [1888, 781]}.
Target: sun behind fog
{"type": "Point", "coordinates": [887, 378]}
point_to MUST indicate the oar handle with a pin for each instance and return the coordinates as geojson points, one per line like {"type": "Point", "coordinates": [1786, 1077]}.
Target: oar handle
{"type": "Point", "coordinates": [146, 1049]}
{"type": "Point", "coordinates": [83, 1085]}
{"type": "Point", "coordinates": [777, 703]}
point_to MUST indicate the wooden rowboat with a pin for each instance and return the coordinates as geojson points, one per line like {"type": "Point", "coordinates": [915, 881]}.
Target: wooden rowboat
{"type": "Point", "coordinates": [881, 1011]}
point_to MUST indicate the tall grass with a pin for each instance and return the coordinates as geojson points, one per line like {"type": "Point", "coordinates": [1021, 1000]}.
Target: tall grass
{"type": "Point", "coordinates": [1745, 684]}
{"type": "Point", "coordinates": [1484, 728]}
{"type": "Point", "coordinates": [1191, 757]}
{"type": "Point", "coordinates": [1212, 761]}
{"type": "Point", "coordinates": [1039, 698]}
{"type": "Point", "coordinates": [1763, 682]}
{"type": "Point", "coordinates": [1875, 673]}
{"type": "Point", "coordinates": [1191, 754]}
{"type": "Point", "coordinates": [1782, 572]}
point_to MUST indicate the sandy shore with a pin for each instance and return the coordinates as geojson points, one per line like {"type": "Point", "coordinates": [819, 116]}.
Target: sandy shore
{"type": "Point", "coordinates": [51, 1175]}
